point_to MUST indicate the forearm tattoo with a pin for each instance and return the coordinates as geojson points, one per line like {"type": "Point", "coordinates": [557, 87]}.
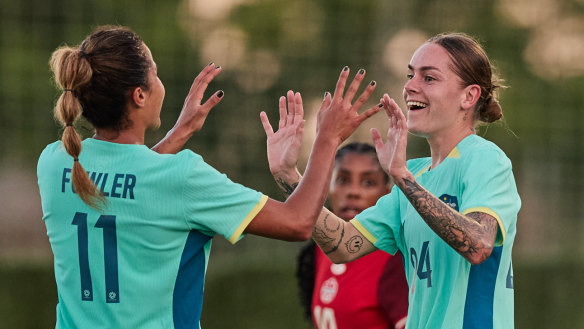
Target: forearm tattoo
{"type": "Point", "coordinates": [460, 232]}
{"type": "Point", "coordinates": [325, 236]}
{"type": "Point", "coordinates": [286, 188]}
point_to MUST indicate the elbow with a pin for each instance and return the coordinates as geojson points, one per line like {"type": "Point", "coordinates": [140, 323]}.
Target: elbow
{"type": "Point", "coordinates": [301, 232]}
{"type": "Point", "coordinates": [481, 254]}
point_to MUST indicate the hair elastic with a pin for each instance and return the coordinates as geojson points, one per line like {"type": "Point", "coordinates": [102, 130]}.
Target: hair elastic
{"type": "Point", "coordinates": [68, 125]}
{"type": "Point", "coordinates": [76, 159]}
{"type": "Point", "coordinates": [68, 90]}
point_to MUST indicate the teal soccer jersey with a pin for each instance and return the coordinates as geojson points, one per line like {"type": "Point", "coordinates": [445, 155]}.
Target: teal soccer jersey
{"type": "Point", "coordinates": [446, 291]}
{"type": "Point", "coordinates": [141, 261]}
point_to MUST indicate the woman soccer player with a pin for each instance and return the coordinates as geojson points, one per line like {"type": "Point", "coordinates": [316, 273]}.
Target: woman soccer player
{"type": "Point", "coordinates": [370, 292]}
{"type": "Point", "coordinates": [452, 215]}
{"type": "Point", "coordinates": [131, 229]}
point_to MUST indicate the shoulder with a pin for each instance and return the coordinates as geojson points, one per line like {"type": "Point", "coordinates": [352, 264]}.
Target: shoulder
{"type": "Point", "coordinates": [479, 151]}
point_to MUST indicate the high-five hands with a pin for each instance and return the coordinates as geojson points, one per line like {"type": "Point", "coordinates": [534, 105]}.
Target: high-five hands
{"type": "Point", "coordinates": [193, 113]}
{"type": "Point", "coordinates": [337, 117]}
{"type": "Point", "coordinates": [392, 153]}
{"type": "Point", "coordinates": [284, 145]}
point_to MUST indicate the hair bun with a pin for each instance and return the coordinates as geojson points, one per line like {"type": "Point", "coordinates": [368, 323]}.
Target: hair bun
{"type": "Point", "coordinates": [491, 111]}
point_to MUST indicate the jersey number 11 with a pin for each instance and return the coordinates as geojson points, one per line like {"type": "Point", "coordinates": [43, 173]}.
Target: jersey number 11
{"type": "Point", "coordinates": [110, 256]}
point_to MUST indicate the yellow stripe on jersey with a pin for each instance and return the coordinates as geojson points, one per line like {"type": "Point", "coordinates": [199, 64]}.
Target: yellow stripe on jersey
{"type": "Point", "coordinates": [455, 153]}
{"type": "Point", "coordinates": [239, 231]}
{"type": "Point", "coordinates": [500, 237]}
{"type": "Point", "coordinates": [363, 230]}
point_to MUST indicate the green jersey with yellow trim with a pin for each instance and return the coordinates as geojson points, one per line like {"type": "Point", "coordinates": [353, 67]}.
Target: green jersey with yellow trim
{"type": "Point", "coordinates": [446, 291]}
{"type": "Point", "coordinates": [140, 262]}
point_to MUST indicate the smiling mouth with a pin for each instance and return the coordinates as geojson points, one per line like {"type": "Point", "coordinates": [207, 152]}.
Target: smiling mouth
{"type": "Point", "coordinates": [413, 106]}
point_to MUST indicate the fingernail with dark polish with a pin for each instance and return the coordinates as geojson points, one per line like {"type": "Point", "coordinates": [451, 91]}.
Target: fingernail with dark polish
{"type": "Point", "coordinates": [220, 93]}
{"type": "Point", "coordinates": [210, 64]}
{"type": "Point", "coordinates": [361, 71]}
{"type": "Point", "coordinates": [346, 68]}
{"type": "Point", "coordinates": [217, 67]}
{"type": "Point", "coordinates": [380, 105]}
{"type": "Point", "coordinates": [325, 94]}
{"type": "Point", "coordinates": [372, 83]}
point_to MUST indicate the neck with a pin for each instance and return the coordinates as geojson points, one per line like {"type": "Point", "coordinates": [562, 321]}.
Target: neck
{"type": "Point", "coordinates": [441, 146]}
{"type": "Point", "coordinates": [127, 136]}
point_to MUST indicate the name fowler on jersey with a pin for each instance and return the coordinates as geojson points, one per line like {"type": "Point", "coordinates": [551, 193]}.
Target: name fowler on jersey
{"type": "Point", "coordinates": [112, 185]}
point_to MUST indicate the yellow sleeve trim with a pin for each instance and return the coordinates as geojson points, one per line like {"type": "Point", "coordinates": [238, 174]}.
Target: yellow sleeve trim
{"type": "Point", "coordinates": [239, 231]}
{"type": "Point", "coordinates": [363, 230]}
{"type": "Point", "coordinates": [500, 237]}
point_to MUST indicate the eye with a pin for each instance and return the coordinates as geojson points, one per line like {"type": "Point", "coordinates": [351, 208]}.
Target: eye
{"type": "Point", "coordinates": [410, 76]}
{"type": "Point", "coordinates": [368, 183]}
{"type": "Point", "coordinates": [341, 180]}
{"type": "Point", "coordinates": [429, 78]}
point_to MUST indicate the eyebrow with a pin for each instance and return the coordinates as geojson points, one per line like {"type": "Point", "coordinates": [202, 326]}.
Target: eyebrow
{"type": "Point", "coordinates": [424, 68]}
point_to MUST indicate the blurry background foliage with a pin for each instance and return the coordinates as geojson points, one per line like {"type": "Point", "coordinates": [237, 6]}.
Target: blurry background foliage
{"type": "Point", "coordinates": [265, 48]}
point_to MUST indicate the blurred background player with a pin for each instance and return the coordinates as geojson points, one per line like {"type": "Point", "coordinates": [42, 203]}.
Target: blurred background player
{"type": "Point", "coordinates": [370, 292]}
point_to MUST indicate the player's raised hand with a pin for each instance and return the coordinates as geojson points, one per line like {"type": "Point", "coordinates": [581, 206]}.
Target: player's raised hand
{"type": "Point", "coordinates": [392, 153]}
{"type": "Point", "coordinates": [283, 146]}
{"type": "Point", "coordinates": [193, 114]}
{"type": "Point", "coordinates": [338, 117]}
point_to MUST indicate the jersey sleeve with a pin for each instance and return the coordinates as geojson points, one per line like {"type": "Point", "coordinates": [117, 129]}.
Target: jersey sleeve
{"type": "Point", "coordinates": [488, 186]}
{"type": "Point", "coordinates": [213, 204]}
{"type": "Point", "coordinates": [381, 224]}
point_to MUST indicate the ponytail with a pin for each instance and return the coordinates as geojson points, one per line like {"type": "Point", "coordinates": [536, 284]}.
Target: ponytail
{"type": "Point", "coordinates": [72, 70]}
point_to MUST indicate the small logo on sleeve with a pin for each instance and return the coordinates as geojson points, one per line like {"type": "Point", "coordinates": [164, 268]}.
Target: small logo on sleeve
{"type": "Point", "coordinates": [450, 200]}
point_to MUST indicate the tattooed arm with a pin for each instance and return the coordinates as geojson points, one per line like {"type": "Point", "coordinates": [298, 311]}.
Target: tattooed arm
{"type": "Point", "coordinates": [338, 239]}
{"type": "Point", "coordinates": [471, 235]}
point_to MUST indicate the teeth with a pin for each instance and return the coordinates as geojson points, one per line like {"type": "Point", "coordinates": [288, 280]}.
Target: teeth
{"type": "Point", "coordinates": [418, 104]}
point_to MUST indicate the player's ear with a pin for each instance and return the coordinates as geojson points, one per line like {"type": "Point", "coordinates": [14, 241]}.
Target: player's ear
{"type": "Point", "coordinates": [138, 97]}
{"type": "Point", "coordinates": [470, 96]}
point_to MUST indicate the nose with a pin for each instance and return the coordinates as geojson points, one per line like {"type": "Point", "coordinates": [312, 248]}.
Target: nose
{"type": "Point", "coordinates": [354, 191]}
{"type": "Point", "coordinates": [411, 85]}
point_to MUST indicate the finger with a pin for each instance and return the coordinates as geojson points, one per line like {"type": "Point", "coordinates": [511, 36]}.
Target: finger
{"type": "Point", "coordinates": [365, 95]}
{"type": "Point", "coordinates": [340, 88]}
{"type": "Point", "coordinates": [201, 74]}
{"type": "Point", "coordinates": [266, 124]}
{"type": "Point", "coordinates": [354, 86]}
{"type": "Point", "coordinates": [291, 108]}
{"type": "Point", "coordinates": [204, 83]}
{"type": "Point", "coordinates": [298, 108]}
{"type": "Point", "coordinates": [282, 105]}
{"type": "Point", "coordinates": [363, 116]}
{"type": "Point", "coordinates": [212, 101]}
{"type": "Point", "coordinates": [377, 141]}
{"type": "Point", "coordinates": [326, 101]}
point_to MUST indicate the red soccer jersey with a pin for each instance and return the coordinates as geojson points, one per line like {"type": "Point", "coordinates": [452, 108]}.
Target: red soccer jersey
{"type": "Point", "coordinates": [368, 293]}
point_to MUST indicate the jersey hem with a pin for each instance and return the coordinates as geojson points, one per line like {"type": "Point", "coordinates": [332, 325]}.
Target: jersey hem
{"type": "Point", "coordinates": [254, 211]}
{"type": "Point", "coordinates": [500, 239]}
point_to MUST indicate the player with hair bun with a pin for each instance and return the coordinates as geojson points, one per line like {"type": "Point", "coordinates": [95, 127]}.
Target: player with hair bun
{"type": "Point", "coordinates": [452, 215]}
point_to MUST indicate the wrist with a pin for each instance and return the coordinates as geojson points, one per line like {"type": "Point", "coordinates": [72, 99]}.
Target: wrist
{"type": "Point", "coordinates": [290, 176]}
{"type": "Point", "coordinates": [400, 176]}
